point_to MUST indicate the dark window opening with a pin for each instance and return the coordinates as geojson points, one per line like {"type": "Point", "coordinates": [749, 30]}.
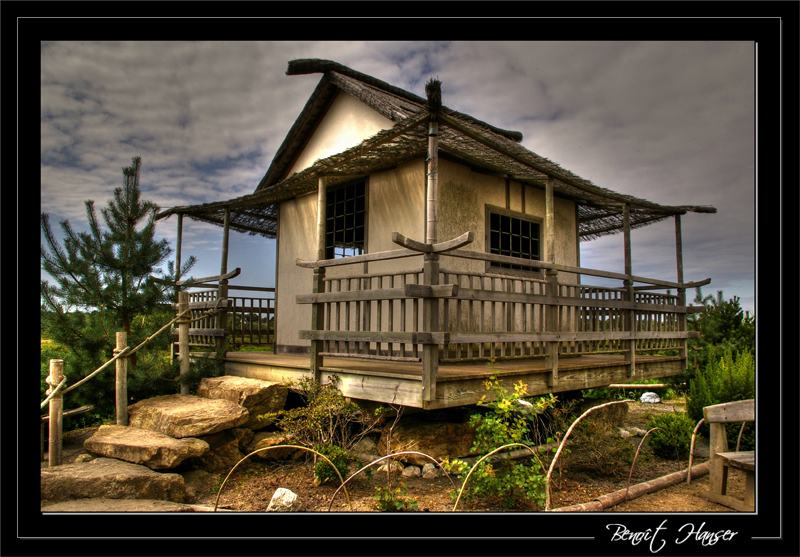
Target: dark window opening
{"type": "Point", "coordinates": [514, 237]}
{"type": "Point", "coordinates": [345, 221]}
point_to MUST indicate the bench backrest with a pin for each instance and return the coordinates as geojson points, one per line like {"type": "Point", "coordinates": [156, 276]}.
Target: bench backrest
{"type": "Point", "coordinates": [739, 411]}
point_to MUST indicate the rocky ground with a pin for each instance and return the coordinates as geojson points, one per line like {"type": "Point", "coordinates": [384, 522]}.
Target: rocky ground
{"type": "Point", "coordinates": [253, 484]}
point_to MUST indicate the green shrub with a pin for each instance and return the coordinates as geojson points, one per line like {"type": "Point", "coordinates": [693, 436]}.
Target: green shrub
{"type": "Point", "coordinates": [510, 419]}
{"type": "Point", "coordinates": [728, 377]}
{"type": "Point", "coordinates": [323, 471]}
{"type": "Point", "coordinates": [674, 437]}
{"type": "Point", "coordinates": [396, 499]}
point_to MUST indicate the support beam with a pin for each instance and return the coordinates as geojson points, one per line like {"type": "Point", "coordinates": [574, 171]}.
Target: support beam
{"type": "Point", "coordinates": [550, 221]}
{"type": "Point", "coordinates": [222, 318]}
{"type": "Point", "coordinates": [629, 316]}
{"type": "Point", "coordinates": [682, 345]}
{"type": "Point", "coordinates": [433, 183]}
{"type": "Point", "coordinates": [318, 284]}
{"type": "Point", "coordinates": [178, 243]}
{"type": "Point", "coordinates": [121, 382]}
{"type": "Point", "coordinates": [430, 323]}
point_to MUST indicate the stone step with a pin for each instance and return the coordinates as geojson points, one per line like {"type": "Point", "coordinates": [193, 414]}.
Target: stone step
{"type": "Point", "coordinates": [143, 446]}
{"type": "Point", "coordinates": [103, 505]}
{"type": "Point", "coordinates": [111, 479]}
{"type": "Point", "coordinates": [259, 397]}
{"type": "Point", "coordinates": [182, 416]}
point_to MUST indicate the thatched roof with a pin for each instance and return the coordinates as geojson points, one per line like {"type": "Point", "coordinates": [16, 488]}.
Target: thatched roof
{"type": "Point", "coordinates": [462, 139]}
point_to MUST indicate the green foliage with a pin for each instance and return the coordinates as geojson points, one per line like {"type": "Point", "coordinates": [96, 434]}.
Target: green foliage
{"type": "Point", "coordinates": [510, 419]}
{"type": "Point", "coordinates": [393, 500]}
{"type": "Point", "coordinates": [673, 439]}
{"type": "Point", "coordinates": [727, 377]}
{"type": "Point", "coordinates": [323, 471]}
{"type": "Point", "coordinates": [723, 325]}
{"type": "Point", "coordinates": [326, 419]}
{"type": "Point", "coordinates": [105, 282]}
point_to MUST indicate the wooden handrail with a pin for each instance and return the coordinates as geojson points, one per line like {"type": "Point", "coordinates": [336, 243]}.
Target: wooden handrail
{"type": "Point", "coordinates": [230, 275]}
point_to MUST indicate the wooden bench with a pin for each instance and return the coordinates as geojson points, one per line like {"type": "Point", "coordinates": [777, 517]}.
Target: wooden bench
{"type": "Point", "coordinates": [722, 460]}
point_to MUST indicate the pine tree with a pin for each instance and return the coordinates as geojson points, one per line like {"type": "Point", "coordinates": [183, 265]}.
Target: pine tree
{"type": "Point", "coordinates": [106, 277]}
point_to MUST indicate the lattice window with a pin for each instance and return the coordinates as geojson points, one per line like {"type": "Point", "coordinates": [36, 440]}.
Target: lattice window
{"type": "Point", "coordinates": [346, 221]}
{"type": "Point", "coordinates": [515, 237]}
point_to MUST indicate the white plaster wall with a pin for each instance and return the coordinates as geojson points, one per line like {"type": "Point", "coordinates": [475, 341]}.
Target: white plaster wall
{"type": "Point", "coordinates": [297, 239]}
{"type": "Point", "coordinates": [347, 123]}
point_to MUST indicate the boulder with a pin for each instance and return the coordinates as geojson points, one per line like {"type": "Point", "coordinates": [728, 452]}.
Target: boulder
{"type": "Point", "coordinates": [97, 505]}
{"type": "Point", "coordinates": [431, 471]}
{"type": "Point", "coordinates": [270, 439]}
{"type": "Point", "coordinates": [199, 483]}
{"type": "Point", "coordinates": [143, 446]}
{"type": "Point", "coordinates": [613, 415]}
{"type": "Point", "coordinates": [412, 472]}
{"type": "Point", "coordinates": [181, 416]}
{"type": "Point", "coordinates": [111, 479]}
{"type": "Point", "coordinates": [284, 500]}
{"type": "Point", "coordinates": [259, 397]}
{"type": "Point", "coordinates": [650, 398]}
{"type": "Point", "coordinates": [224, 453]}
{"type": "Point", "coordinates": [437, 439]}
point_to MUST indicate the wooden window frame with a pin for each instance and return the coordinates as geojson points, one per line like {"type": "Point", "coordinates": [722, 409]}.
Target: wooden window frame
{"type": "Point", "coordinates": [330, 219]}
{"type": "Point", "coordinates": [496, 268]}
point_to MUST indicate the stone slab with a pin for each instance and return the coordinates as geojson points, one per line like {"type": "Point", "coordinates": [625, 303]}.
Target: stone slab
{"type": "Point", "coordinates": [111, 479]}
{"type": "Point", "coordinates": [259, 397]}
{"type": "Point", "coordinates": [144, 446]}
{"type": "Point", "coordinates": [103, 505]}
{"type": "Point", "coordinates": [181, 416]}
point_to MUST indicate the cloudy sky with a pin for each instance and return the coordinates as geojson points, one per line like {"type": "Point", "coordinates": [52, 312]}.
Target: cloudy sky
{"type": "Point", "coordinates": [669, 122]}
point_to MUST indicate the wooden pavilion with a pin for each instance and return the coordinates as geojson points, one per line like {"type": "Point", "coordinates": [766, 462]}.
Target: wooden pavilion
{"type": "Point", "coordinates": [416, 244]}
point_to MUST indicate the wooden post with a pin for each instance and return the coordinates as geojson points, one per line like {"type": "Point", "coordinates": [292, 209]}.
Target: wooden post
{"type": "Point", "coordinates": [54, 455]}
{"type": "Point", "coordinates": [629, 317]}
{"type": "Point", "coordinates": [433, 182]}
{"type": "Point", "coordinates": [551, 286]}
{"type": "Point", "coordinates": [318, 281]}
{"type": "Point", "coordinates": [551, 326]}
{"type": "Point", "coordinates": [682, 343]}
{"type": "Point", "coordinates": [183, 338]}
{"type": "Point", "coordinates": [122, 379]}
{"type": "Point", "coordinates": [178, 243]}
{"type": "Point", "coordinates": [430, 323]}
{"type": "Point", "coordinates": [222, 318]}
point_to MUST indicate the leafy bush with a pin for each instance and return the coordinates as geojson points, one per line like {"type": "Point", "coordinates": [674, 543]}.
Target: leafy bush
{"type": "Point", "coordinates": [396, 499]}
{"type": "Point", "coordinates": [326, 419]}
{"type": "Point", "coordinates": [673, 439]}
{"type": "Point", "coordinates": [323, 471]}
{"type": "Point", "coordinates": [510, 419]}
{"type": "Point", "coordinates": [723, 325]}
{"type": "Point", "coordinates": [726, 378]}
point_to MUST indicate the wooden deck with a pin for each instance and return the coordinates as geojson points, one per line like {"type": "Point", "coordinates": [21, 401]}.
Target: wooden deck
{"type": "Point", "coordinates": [457, 384]}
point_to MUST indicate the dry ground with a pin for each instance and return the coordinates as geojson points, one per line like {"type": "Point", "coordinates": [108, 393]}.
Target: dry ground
{"type": "Point", "coordinates": [252, 486]}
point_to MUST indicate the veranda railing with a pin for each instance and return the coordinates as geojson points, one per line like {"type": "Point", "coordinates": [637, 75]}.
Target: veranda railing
{"type": "Point", "coordinates": [250, 318]}
{"type": "Point", "coordinates": [432, 314]}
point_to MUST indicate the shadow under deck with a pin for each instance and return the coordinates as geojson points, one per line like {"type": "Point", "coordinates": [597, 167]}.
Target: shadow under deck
{"type": "Point", "coordinates": [457, 384]}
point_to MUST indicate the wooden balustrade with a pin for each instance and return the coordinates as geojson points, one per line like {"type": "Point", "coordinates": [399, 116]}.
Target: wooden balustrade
{"type": "Point", "coordinates": [433, 314]}
{"type": "Point", "coordinates": [250, 319]}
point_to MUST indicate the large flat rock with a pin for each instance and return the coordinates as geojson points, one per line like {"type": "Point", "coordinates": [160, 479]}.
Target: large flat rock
{"type": "Point", "coordinates": [259, 397]}
{"type": "Point", "coordinates": [103, 505]}
{"type": "Point", "coordinates": [181, 416]}
{"type": "Point", "coordinates": [144, 446]}
{"type": "Point", "coordinates": [112, 479]}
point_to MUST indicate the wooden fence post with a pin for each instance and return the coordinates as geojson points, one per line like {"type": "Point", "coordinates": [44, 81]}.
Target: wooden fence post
{"type": "Point", "coordinates": [54, 456]}
{"type": "Point", "coordinates": [430, 323]}
{"type": "Point", "coordinates": [183, 338]}
{"type": "Point", "coordinates": [122, 379]}
{"type": "Point", "coordinates": [552, 326]}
